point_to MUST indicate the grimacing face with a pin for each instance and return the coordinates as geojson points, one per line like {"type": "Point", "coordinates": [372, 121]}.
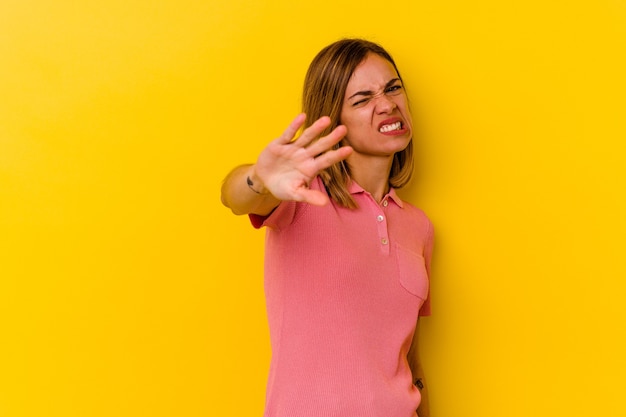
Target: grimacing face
{"type": "Point", "coordinates": [375, 110]}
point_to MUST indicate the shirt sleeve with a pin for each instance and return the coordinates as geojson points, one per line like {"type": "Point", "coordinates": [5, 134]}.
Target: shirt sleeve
{"type": "Point", "coordinates": [281, 217]}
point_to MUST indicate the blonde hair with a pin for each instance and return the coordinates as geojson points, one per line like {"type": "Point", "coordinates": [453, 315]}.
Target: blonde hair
{"type": "Point", "coordinates": [324, 90]}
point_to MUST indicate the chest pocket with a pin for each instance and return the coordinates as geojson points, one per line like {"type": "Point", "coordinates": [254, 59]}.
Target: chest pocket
{"type": "Point", "coordinates": [412, 272]}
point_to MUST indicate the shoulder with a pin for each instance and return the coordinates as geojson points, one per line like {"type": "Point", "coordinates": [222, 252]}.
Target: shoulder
{"type": "Point", "coordinates": [417, 213]}
{"type": "Point", "coordinates": [418, 222]}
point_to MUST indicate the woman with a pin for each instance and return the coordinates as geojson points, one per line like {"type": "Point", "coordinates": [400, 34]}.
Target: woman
{"type": "Point", "coordinates": [347, 261]}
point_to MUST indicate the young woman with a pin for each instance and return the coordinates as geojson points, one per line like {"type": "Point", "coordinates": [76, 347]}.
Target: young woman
{"type": "Point", "coordinates": [347, 261]}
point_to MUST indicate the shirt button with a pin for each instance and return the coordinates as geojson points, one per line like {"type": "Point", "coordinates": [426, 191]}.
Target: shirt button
{"type": "Point", "coordinates": [385, 203]}
{"type": "Point", "coordinates": [380, 218]}
{"type": "Point", "coordinates": [384, 241]}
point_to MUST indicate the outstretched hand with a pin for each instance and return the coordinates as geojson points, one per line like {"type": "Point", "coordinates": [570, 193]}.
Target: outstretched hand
{"type": "Point", "coordinates": [287, 166]}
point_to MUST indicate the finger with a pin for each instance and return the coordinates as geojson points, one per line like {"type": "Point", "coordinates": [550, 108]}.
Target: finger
{"type": "Point", "coordinates": [332, 157]}
{"type": "Point", "coordinates": [328, 141]}
{"type": "Point", "coordinates": [313, 132]}
{"type": "Point", "coordinates": [293, 128]}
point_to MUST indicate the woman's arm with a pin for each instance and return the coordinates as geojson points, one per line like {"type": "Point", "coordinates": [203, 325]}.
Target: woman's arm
{"type": "Point", "coordinates": [418, 374]}
{"type": "Point", "coordinates": [243, 192]}
{"type": "Point", "coordinates": [284, 169]}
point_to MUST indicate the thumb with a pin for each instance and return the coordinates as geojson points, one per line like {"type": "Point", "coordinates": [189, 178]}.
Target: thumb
{"type": "Point", "coordinates": [313, 197]}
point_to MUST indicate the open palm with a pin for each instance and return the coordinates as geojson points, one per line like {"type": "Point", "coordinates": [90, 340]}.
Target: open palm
{"type": "Point", "coordinates": [287, 166]}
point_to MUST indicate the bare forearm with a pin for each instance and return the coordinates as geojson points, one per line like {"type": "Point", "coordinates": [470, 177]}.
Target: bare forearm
{"type": "Point", "coordinates": [415, 363]}
{"type": "Point", "coordinates": [244, 193]}
{"type": "Point", "coordinates": [420, 381]}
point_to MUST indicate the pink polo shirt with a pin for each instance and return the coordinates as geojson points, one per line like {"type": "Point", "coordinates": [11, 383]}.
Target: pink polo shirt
{"type": "Point", "coordinates": [343, 290]}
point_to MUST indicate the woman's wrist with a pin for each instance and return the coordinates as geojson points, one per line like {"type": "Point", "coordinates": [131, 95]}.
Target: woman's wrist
{"type": "Point", "coordinates": [255, 184]}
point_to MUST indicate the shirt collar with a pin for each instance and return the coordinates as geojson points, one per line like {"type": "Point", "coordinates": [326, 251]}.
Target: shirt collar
{"type": "Point", "coordinates": [355, 188]}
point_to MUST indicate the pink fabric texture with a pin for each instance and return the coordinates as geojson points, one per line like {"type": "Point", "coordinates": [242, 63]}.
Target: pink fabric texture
{"type": "Point", "coordinates": [344, 289]}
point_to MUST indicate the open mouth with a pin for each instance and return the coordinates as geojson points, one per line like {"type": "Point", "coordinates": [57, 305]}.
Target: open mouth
{"type": "Point", "coordinates": [390, 127]}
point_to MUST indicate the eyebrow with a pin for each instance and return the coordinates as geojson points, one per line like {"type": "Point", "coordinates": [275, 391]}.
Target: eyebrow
{"type": "Point", "coordinates": [371, 93]}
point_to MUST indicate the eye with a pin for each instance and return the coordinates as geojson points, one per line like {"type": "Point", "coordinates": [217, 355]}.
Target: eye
{"type": "Point", "coordinates": [394, 89]}
{"type": "Point", "coordinates": [361, 102]}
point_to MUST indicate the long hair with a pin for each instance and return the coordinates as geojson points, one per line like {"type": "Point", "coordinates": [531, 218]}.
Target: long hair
{"type": "Point", "coordinates": [324, 91]}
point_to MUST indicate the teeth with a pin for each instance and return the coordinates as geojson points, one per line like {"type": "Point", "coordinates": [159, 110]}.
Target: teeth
{"type": "Point", "coordinates": [389, 128]}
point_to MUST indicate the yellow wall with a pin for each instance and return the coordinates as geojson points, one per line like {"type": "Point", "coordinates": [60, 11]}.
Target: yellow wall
{"type": "Point", "coordinates": [126, 289]}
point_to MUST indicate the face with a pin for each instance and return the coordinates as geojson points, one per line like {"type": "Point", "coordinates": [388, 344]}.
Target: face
{"type": "Point", "coordinates": [375, 110]}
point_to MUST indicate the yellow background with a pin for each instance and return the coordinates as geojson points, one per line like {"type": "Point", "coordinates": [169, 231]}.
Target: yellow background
{"type": "Point", "coordinates": [126, 289]}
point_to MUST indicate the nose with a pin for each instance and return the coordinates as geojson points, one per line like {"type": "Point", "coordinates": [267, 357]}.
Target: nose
{"type": "Point", "coordinates": [384, 104]}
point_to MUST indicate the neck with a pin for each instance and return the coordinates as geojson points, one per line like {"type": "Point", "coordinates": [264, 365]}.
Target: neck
{"type": "Point", "coordinates": [372, 175]}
